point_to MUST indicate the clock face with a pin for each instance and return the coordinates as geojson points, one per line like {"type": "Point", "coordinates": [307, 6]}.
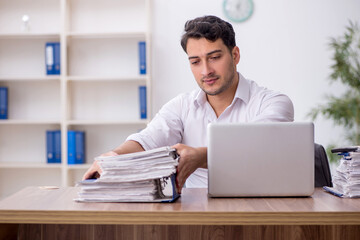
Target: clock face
{"type": "Point", "coordinates": [238, 10]}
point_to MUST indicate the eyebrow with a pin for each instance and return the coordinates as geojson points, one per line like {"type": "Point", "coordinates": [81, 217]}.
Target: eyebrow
{"type": "Point", "coordinates": [209, 53]}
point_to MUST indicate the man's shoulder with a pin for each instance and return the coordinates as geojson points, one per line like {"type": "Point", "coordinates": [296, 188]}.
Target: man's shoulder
{"type": "Point", "coordinates": [260, 91]}
{"type": "Point", "coordinates": [182, 101]}
{"type": "Point", "coordinates": [186, 97]}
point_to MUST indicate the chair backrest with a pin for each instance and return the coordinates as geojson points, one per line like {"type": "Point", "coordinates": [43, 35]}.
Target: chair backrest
{"type": "Point", "coordinates": [322, 169]}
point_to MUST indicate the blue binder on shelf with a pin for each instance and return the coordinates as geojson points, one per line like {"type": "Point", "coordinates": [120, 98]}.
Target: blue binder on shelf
{"type": "Point", "coordinates": [52, 58]}
{"type": "Point", "coordinates": [76, 147]}
{"type": "Point", "coordinates": [53, 146]}
{"type": "Point", "coordinates": [50, 156]}
{"type": "Point", "coordinates": [57, 146]}
{"type": "Point", "coordinates": [3, 103]}
{"type": "Point", "coordinates": [142, 57]}
{"type": "Point", "coordinates": [142, 101]}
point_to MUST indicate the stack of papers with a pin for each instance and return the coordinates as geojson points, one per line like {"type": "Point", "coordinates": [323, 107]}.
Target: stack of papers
{"type": "Point", "coordinates": [346, 181]}
{"type": "Point", "coordinates": [147, 176]}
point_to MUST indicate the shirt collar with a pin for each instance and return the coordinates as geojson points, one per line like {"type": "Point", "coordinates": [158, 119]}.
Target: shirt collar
{"type": "Point", "coordinates": [243, 89]}
{"type": "Point", "coordinates": [242, 92]}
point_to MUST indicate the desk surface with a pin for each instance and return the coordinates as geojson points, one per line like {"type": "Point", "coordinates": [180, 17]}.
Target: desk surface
{"type": "Point", "coordinates": [36, 205]}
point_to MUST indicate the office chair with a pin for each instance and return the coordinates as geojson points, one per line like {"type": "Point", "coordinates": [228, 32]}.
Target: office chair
{"type": "Point", "coordinates": [322, 169]}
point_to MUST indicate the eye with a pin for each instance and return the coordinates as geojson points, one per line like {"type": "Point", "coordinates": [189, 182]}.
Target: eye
{"type": "Point", "coordinates": [194, 62]}
{"type": "Point", "coordinates": [215, 57]}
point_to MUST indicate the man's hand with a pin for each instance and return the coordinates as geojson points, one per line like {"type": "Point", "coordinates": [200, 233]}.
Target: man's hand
{"type": "Point", "coordinates": [127, 147]}
{"type": "Point", "coordinates": [94, 171]}
{"type": "Point", "coordinates": [190, 160]}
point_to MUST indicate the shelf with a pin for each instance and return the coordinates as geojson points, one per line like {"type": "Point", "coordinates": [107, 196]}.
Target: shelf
{"type": "Point", "coordinates": [30, 78]}
{"type": "Point", "coordinates": [106, 35]}
{"type": "Point", "coordinates": [132, 79]}
{"type": "Point", "coordinates": [100, 122]}
{"type": "Point", "coordinates": [78, 166]}
{"type": "Point", "coordinates": [29, 35]}
{"type": "Point", "coordinates": [29, 165]}
{"type": "Point", "coordinates": [28, 122]}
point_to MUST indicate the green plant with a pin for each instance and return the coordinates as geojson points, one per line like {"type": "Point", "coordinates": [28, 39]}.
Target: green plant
{"type": "Point", "coordinates": [345, 110]}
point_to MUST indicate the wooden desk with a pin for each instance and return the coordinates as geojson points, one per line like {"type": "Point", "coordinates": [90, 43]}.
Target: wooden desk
{"type": "Point", "coordinates": [52, 214]}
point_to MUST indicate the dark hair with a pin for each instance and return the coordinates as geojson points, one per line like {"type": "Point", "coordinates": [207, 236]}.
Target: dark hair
{"type": "Point", "coordinates": [210, 27]}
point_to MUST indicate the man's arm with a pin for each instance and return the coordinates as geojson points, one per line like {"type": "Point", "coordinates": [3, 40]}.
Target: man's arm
{"type": "Point", "coordinates": [127, 147]}
{"type": "Point", "coordinates": [190, 160]}
{"type": "Point", "coordinates": [275, 108]}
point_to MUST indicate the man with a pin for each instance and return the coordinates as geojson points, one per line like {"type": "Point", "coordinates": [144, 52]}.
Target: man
{"type": "Point", "coordinates": [224, 96]}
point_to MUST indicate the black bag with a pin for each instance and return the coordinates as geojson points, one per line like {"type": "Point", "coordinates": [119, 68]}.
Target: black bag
{"type": "Point", "coordinates": [322, 169]}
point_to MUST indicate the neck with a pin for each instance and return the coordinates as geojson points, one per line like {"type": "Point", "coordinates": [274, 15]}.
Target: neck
{"type": "Point", "coordinates": [221, 101]}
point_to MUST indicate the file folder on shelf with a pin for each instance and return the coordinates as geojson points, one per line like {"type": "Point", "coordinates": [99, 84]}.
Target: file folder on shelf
{"type": "Point", "coordinates": [76, 147]}
{"type": "Point", "coordinates": [52, 58]}
{"type": "Point", "coordinates": [3, 103]}
{"type": "Point", "coordinates": [142, 100]}
{"type": "Point", "coordinates": [50, 147]}
{"type": "Point", "coordinates": [53, 146]}
{"type": "Point", "coordinates": [142, 57]}
{"type": "Point", "coordinates": [57, 146]}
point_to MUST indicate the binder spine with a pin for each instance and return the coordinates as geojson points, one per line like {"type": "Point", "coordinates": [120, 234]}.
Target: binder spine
{"type": "Point", "coordinates": [76, 147]}
{"type": "Point", "coordinates": [142, 101]}
{"type": "Point", "coordinates": [3, 103]}
{"type": "Point", "coordinates": [71, 147]}
{"type": "Point", "coordinates": [142, 57]}
{"type": "Point", "coordinates": [52, 58]}
{"type": "Point", "coordinates": [80, 147]}
{"type": "Point", "coordinates": [57, 146]}
{"type": "Point", "coordinates": [50, 146]}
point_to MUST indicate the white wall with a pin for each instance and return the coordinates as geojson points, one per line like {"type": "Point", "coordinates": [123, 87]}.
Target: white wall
{"type": "Point", "coordinates": [283, 46]}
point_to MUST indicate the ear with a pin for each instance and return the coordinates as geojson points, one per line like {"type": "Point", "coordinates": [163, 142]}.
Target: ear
{"type": "Point", "coordinates": [236, 54]}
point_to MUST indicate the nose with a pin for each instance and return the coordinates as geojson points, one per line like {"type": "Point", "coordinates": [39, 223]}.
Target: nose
{"type": "Point", "coordinates": [206, 69]}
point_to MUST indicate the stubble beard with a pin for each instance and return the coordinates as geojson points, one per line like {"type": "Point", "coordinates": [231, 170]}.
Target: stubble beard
{"type": "Point", "coordinates": [227, 83]}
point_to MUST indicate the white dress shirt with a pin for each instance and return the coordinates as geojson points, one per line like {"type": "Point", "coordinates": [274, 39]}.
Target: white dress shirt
{"type": "Point", "coordinates": [184, 119]}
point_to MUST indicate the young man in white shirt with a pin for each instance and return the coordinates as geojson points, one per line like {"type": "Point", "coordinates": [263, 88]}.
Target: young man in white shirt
{"type": "Point", "coordinates": [224, 96]}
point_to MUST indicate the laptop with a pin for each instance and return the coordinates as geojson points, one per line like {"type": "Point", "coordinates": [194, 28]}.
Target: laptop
{"type": "Point", "coordinates": [269, 159]}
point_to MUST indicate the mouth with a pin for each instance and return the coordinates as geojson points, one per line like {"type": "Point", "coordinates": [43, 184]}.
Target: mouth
{"type": "Point", "coordinates": [210, 81]}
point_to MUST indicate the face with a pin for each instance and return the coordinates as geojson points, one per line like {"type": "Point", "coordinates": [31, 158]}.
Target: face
{"type": "Point", "coordinates": [212, 65]}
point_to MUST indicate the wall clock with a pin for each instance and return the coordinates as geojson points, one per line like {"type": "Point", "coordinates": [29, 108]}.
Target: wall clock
{"type": "Point", "coordinates": [238, 10]}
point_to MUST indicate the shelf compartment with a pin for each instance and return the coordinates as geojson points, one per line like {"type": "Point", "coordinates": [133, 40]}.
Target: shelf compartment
{"type": "Point", "coordinates": [33, 100]}
{"type": "Point", "coordinates": [103, 138]}
{"type": "Point", "coordinates": [109, 16]}
{"type": "Point", "coordinates": [105, 101]}
{"type": "Point", "coordinates": [103, 57]}
{"type": "Point", "coordinates": [22, 144]}
{"type": "Point", "coordinates": [44, 16]}
{"type": "Point", "coordinates": [23, 57]}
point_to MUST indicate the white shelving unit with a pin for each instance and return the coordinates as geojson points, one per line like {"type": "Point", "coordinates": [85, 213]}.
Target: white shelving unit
{"type": "Point", "coordinates": [97, 91]}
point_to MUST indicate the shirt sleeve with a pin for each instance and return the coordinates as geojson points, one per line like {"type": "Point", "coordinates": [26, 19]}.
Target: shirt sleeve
{"type": "Point", "coordinates": [165, 129]}
{"type": "Point", "coordinates": [275, 107]}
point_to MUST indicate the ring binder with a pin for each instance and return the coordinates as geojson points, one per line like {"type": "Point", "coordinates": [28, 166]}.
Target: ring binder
{"type": "Point", "coordinates": [147, 176]}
